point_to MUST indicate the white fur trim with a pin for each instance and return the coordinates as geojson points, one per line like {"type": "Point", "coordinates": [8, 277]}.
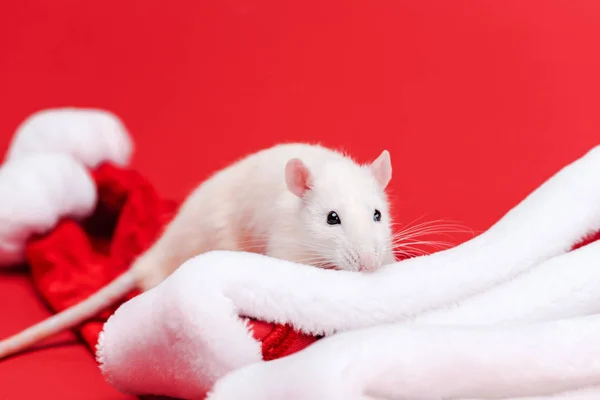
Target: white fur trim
{"type": "Point", "coordinates": [44, 177]}
{"type": "Point", "coordinates": [89, 135]}
{"type": "Point", "coordinates": [35, 193]}
{"type": "Point", "coordinates": [174, 327]}
{"type": "Point", "coordinates": [430, 363]}
{"type": "Point", "coordinates": [591, 393]}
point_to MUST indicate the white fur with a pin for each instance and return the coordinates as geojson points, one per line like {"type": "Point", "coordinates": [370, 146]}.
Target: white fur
{"type": "Point", "coordinates": [562, 287]}
{"type": "Point", "coordinates": [44, 177]}
{"type": "Point", "coordinates": [430, 363]}
{"type": "Point", "coordinates": [35, 193]}
{"type": "Point", "coordinates": [91, 136]}
{"type": "Point", "coordinates": [589, 393]}
{"type": "Point", "coordinates": [188, 329]}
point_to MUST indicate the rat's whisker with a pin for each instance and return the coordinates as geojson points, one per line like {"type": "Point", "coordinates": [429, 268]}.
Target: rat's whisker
{"type": "Point", "coordinates": [439, 228]}
{"type": "Point", "coordinates": [431, 243]}
{"type": "Point", "coordinates": [435, 223]}
{"type": "Point", "coordinates": [426, 242]}
{"type": "Point", "coordinates": [414, 252]}
{"type": "Point", "coordinates": [427, 231]}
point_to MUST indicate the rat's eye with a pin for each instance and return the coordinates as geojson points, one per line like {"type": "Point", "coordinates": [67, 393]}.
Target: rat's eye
{"type": "Point", "coordinates": [333, 218]}
{"type": "Point", "coordinates": [377, 216]}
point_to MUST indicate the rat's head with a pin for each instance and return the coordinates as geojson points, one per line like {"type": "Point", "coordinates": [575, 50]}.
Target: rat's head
{"type": "Point", "coordinates": [344, 210]}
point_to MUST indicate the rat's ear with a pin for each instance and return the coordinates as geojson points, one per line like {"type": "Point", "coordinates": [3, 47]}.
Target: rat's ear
{"type": "Point", "coordinates": [297, 177]}
{"type": "Point", "coordinates": [381, 169]}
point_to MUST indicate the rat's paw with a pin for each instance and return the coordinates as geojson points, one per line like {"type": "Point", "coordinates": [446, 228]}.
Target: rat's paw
{"type": "Point", "coordinates": [91, 136]}
{"type": "Point", "coordinates": [35, 193]}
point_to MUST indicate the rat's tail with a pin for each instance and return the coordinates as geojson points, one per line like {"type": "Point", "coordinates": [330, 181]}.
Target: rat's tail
{"type": "Point", "coordinates": [70, 317]}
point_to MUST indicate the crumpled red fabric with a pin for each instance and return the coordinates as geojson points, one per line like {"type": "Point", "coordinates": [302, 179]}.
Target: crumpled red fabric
{"type": "Point", "coordinates": [76, 259]}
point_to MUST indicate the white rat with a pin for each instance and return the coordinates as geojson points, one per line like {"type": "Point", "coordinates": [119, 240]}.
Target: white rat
{"type": "Point", "coordinates": [298, 202]}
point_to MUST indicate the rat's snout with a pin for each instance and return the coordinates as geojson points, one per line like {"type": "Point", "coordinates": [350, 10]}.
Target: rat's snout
{"type": "Point", "coordinates": [368, 262]}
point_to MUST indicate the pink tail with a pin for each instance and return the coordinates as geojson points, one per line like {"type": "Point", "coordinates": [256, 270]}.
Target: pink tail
{"type": "Point", "coordinates": [70, 317]}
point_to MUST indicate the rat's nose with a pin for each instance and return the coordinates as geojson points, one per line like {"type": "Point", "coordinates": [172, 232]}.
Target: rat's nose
{"type": "Point", "coordinates": [368, 263]}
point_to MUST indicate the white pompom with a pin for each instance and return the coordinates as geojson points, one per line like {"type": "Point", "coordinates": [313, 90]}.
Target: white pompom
{"type": "Point", "coordinates": [91, 136]}
{"type": "Point", "coordinates": [36, 191]}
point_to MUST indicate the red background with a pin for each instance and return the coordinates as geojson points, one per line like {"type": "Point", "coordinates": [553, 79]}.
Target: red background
{"type": "Point", "coordinates": [478, 101]}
